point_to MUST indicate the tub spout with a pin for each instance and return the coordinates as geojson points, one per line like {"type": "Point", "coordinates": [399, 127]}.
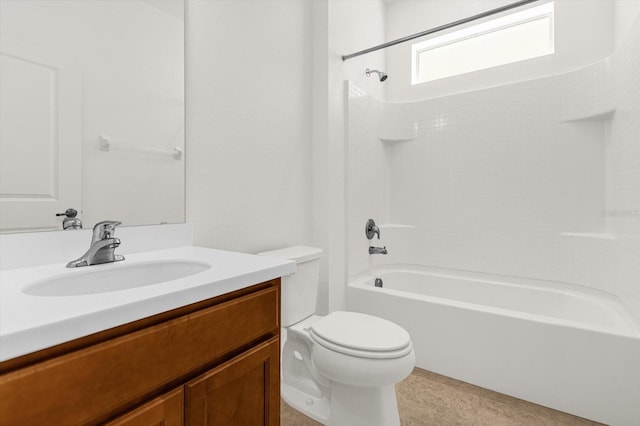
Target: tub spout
{"type": "Point", "coordinates": [378, 250]}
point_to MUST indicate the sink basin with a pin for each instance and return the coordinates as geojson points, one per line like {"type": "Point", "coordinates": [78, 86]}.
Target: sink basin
{"type": "Point", "coordinates": [111, 277]}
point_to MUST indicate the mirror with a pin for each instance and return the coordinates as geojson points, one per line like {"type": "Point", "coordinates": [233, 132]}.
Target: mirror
{"type": "Point", "coordinates": [91, 112]}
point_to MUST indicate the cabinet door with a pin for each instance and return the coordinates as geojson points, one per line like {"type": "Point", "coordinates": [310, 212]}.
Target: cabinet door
{"type": "Point", "coordinates": [244, 391]}
{"type": "Point", "coordinates": [166, 410]}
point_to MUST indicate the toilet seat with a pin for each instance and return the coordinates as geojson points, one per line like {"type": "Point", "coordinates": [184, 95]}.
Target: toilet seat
{"type": "Point", "coordinates": [361, 335]}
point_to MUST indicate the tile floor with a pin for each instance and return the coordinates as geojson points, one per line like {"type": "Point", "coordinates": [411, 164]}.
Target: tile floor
{"type": "Point", "coordinates": [426, 398]}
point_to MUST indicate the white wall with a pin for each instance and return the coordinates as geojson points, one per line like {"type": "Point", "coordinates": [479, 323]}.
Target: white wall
{"type": "Point", "coordinates": [583, 35]}
{"type": "Point", "coordinates": [249, 124]}
{"type": "Point", "coordinates": [130, 57]}
{"type": "Point", "coordinates": [266, 158]}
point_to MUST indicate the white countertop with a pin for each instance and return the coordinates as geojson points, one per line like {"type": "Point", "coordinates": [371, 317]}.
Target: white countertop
{"type": "Point", "coordinates": [30, 323]}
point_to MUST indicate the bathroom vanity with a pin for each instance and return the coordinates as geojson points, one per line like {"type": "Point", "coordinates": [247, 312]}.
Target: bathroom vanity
{"type": "Point", "coordinates": [196, 349]}
{"type": "Point", "coordinates": [214, 362]}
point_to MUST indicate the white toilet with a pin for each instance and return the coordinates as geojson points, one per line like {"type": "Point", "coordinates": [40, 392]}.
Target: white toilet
{"type": "Point", "coordinates": [340, 369]}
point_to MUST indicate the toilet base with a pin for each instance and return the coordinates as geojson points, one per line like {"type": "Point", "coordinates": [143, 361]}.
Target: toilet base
{"type": "Point", "coordinates": [316, 408]}
{"type": "Point", "coordinates": [358, 406]}
{"type": "Point", "coordinates": [349, 406]}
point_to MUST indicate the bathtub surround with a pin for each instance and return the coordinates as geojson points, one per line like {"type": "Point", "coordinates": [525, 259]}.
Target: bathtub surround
{"type": "Point", "coordinates": [537, 180]}
{"type": "Point", "coordinates": [510, 180]}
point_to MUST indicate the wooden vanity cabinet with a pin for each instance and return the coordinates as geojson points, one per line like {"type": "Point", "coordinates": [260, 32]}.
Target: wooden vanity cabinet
{"type": "Point", "coordinates": [215, 362]}
{"type": "Point", "coordinates": [166, 410]}
{"type": "Point", "coordinates": [243, 391]}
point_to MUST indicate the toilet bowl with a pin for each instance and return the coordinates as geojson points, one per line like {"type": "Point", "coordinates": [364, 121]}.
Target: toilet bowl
{"type": "Point", "coordinates": [345, 383]}
{"type": "Point", "coordinates": [340, 369]}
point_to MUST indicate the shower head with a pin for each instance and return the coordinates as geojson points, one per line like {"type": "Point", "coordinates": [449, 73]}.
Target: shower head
{"type": "Point", "coordinates": [381, 75]}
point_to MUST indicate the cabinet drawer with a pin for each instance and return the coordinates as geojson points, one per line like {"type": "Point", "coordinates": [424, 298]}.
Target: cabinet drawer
{"type": "Point", "coordinates": [85, 386]}
{"type": "Point", "coordinates": [167, 410]}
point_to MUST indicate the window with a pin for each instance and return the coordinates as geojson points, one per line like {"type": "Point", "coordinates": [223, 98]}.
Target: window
{"type": "Point", "coordinates": [515, 37]}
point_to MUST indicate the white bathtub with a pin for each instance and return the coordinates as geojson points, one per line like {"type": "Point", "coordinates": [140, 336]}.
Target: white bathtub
{"type": "Point", "coordinates": [559, 345]}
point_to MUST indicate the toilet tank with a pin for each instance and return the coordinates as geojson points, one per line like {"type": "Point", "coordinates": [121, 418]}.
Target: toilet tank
{"type": "Point", "coordinates": [300, 289]}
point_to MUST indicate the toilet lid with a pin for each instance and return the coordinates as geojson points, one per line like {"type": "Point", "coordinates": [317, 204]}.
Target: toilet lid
{"type": "Point", "coordinates": [359, 334]}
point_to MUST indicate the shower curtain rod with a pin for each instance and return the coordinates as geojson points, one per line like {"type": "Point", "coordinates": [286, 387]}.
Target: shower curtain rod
{"type": "Point", "coordinates": [440, 28]}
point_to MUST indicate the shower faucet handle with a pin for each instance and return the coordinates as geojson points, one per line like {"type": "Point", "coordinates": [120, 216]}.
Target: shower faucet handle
{"type": "Point", "coordinates": [371, 229]}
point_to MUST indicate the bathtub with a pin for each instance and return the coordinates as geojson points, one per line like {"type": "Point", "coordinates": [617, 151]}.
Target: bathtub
{"type": "Point", "coordinates": [555, 344]}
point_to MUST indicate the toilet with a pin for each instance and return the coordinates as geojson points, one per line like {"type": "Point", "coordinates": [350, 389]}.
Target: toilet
{"type": "Point", "coordinates": [340, 369]}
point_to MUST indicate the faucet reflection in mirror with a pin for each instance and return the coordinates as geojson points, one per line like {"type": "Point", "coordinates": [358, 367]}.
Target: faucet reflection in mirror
{"type": "Point", "coordinates": [70, 220]}
{"type": "Point", "coordinates": [103, 245]}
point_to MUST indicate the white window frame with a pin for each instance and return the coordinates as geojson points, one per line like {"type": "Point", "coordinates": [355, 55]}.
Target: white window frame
{"type": "Point", "coordinates": [543, 11]}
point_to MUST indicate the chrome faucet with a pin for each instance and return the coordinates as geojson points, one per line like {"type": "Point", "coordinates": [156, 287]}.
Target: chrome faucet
{"type": "Point", "coordinates": [378, 250]}
{"type": "Point", "coordinates": [102, 246]}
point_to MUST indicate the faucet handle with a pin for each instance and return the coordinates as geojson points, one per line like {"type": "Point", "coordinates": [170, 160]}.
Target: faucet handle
{"type": "Point", "coordinates": [69, 213]}
{"type": "Point", "coordinates": [105, 229]}
{"type": "Point", "coordinates": [371, 229]}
